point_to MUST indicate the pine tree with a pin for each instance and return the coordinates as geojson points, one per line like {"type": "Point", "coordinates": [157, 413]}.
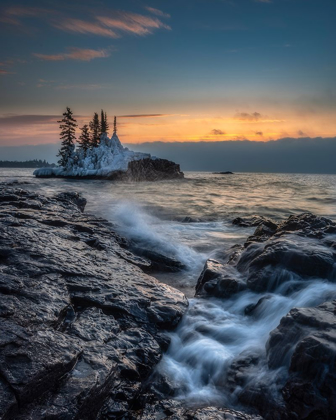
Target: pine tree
{"type": "Point", "coordinates": [106, 123]}
{"type": "Point", "coordinates": [102, 123]}
{"type": "Point", "coordinates": [84, 139]}
{"type": "Point", "coordinates": [95, 130]}
{"type": "Point", "coordinates": [115, 126]}
{"type": "Point", "coordinates": [68, 136]}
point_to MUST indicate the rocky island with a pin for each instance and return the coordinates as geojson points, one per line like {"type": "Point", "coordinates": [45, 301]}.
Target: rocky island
{"type": "Point", "coordinates": [111, 160]}
{"type": "Point", "coordinates": [100, 157]}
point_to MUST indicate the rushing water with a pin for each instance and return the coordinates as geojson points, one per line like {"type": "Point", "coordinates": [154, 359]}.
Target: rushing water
{"type": "Point", "coordinates": [213, 332]}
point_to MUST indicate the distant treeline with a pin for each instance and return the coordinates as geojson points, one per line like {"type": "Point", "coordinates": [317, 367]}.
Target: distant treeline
{"type": "Point", "coordinates": [26, 164]}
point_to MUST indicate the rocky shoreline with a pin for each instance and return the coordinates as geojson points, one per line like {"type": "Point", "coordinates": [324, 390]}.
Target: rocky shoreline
{"type": "Point", "coordinates": [83, 325]}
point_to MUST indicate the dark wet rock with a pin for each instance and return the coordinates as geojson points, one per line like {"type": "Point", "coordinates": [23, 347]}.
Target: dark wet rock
{"type": "Point", "coordinates": [81, 325]}
{"type": "Point", "coordinates": [305, 342]}
{"type": "Point", "coordinates": [300, 248]}
{"type": "Point", "coordinates": [72, 197]}
{"type": "Point", "coordinates": [174, 410]}
{"type": "Point", "coordinates": [255, 221]}
{"type": "Point", "coordinates": [189, 219]}
{"type": "Point", "coordinates": [220, 280]}
{"type": "Point", "coordinates": [223, 173]}
{"type": "Point", "coordinates": [301, 351]}
{"type": "Point", "coordinates": [158, 262]}
{"type": "Point", "coordinates": [152, 170]}
{"type": "Point", "coordinates": [253, 307]}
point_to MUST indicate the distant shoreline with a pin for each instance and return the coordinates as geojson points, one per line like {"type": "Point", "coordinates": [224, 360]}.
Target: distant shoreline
{"type": "Point", "coordinates": [26, 164]}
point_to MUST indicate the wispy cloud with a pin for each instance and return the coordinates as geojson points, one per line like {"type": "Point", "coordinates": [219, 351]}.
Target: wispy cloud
{"type": "Point", "coordinates": [157, 12]}
{"type": "Point", "coordinates": [144, 115]}
{"type": "Point", "coordinates": [84, 27]}
{"type": "Point", "coordinates": [13, 14]}
{"type": "Point", "coordinates": [112, 24]}
{"type": "Point", "coordinates": [3, 72]}
{"type": "Point", "coordinates": [132, 23]}
{"type": "Point", "coordinates": [75, 54]}
{"type": "Point", "coordinates": [10, 119]}
{"type": "Point", "coordinates": [92, 86]}
{"type": "Point", "coordinates": [259, 133]}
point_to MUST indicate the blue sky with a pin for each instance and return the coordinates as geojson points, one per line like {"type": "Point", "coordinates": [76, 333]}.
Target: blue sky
{"type": "Point", "coordinates": [196, 63]}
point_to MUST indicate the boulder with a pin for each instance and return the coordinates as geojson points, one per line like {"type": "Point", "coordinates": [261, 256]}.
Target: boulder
{"type": "Point", "coordinates": [305, 343]}
{"type": "Point", "coordinates": [219, 280]}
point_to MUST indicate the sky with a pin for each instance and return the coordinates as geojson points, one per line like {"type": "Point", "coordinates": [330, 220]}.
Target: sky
{"type": "Point", "coordinates": [171, 71]}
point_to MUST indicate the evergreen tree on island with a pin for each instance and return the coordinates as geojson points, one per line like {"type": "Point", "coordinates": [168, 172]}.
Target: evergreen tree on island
{"type": "Point", "coordinates": [115, 126]}
{"type": "Point", "coordinates": [106, 123]}
{"type": "Point", "coordinates": [68, 126]}
{"type": "Point", "coordinates": [84, 139]}
{"type": "Point", "coordinates": [95, 130]}
{"type": "Point", "coordinates": [103, 123]}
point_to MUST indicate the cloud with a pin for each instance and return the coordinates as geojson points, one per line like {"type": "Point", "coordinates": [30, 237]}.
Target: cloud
{"type": "Point", "coordinates": [217, 132]}
{"type": "Point", "coordinates": [255, 117]}
{"type": "Point", "coordinates": [75, 54]}
{"type": "Point", "coordinates": [13, 119]}
{"type": "Point", "coordinates": [132, 23]}
{"type": "Point", "coordinates": [107, 25]}
{"type": "Point", "coordinates": [83, 27]}
{"type": "Point", "coordinates": [301, 133]}
{"type": "Point", "coordinates": [113, 26]}
{"type": "Point", "coordinates": [3, 72]}
{"type": "Point", "coordinates": [244, 116]}
{"type": "Point", "coordinates": [157, 12]}
{"type": "Point", "coordinates": [92, 86]}
{"type": "Point", "coordinates": [259, 133]}
{"type": "Point", "coordinates": [12, 15]}
{"type": "Point", "coordinates": [144, 115]}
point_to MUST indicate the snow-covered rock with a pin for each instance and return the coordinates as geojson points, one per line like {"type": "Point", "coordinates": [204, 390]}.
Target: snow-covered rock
{"type": "Point", "coordinates": [111, 160]}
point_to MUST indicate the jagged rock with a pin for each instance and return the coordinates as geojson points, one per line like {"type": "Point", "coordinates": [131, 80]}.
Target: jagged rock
{"type": "Point", "coordinates": [81, 325]}
{"type": "Point", "coordinates": [74, 198]}
{"type": "Point", "coordinates": [151, 170]}
{"type": "Point", "coordinates": [252, 308]}
{"type": "Point", "coordinates": [158, 262]}
{"type": "Point", "coordinates": [299, 247]}
{"type": "Point", "coordinates": [219, 280]}
{"type": "Point", "coordinates": [254, 221]}
{"type": "Point", "coordinates": [305, 341]}
{"type": "Point", "coordinates": [169, 409]}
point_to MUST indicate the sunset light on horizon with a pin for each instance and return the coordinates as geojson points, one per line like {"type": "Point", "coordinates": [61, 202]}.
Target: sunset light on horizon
{"type": "Point", "coordinates": [177, 72]}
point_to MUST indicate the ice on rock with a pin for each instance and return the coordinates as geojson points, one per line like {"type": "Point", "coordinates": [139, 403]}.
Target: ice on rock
{"type": "Point", "coordinates": [109, 156]}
